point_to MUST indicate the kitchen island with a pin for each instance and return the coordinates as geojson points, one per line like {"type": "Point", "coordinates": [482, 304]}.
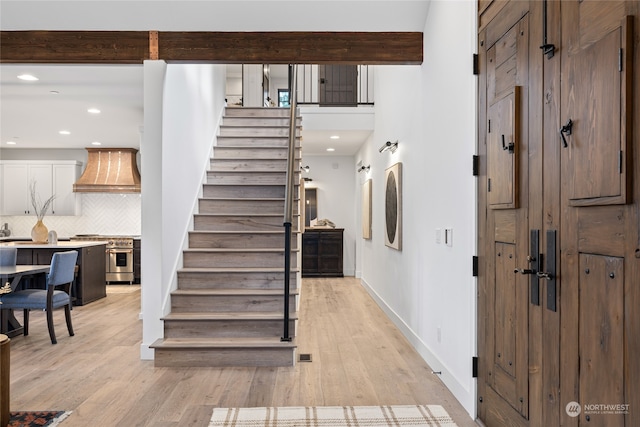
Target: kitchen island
{"type": "Point", "coordinates": [90, 283]}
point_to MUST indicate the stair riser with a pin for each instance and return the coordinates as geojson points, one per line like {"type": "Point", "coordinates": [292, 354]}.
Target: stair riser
{"type": "Point", "coordinates": [249, 178]}
{"type": "Point", "coordinates": [240, 207]}
{"type": "Point", "coordinates": [258, 121]}
{"type": "Point", "coordinates": [234, 280]}
{"type": "Point", "coordinates": [239, 141]}
{"type": "Point", "coordinates": [230, 303]}
{"type": "Point", "coordinates": [256, 131]}
{"type": "Point", "coordinates": [229, 165]}
{"type": "Point", "coordinates": [244, 259]}
{"type": "Point", "coordinates": [225, 328]}
{"type": "Point", "coordinates": [239, 223]}
{"type": "Point", "coordinates": [257, 112]}
{"type": "Point", "coordinates": [253, 153]}
{"type": "Point", "coordinates": [238, 240]}
{"type": "Point", "coordinates": [224, 357]}
{"type": "Point", "coordinates": [244, 191]}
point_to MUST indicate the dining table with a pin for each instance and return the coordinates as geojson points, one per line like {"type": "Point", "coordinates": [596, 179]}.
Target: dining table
{"type": "Point", "coordinates": [13, 275]}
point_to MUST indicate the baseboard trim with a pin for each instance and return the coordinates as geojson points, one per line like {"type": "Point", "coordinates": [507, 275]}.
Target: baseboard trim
{"type": "Point", "coordinates": [462, 393]}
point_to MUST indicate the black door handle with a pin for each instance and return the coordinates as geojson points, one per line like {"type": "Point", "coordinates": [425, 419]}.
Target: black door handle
{"type": "Point", "coordinates": [566, 130]}
{"type": "Point", "coordinates": [511, 146]}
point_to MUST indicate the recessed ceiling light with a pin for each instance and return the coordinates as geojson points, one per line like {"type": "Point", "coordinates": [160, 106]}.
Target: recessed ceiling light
{"type": "Point", "coordinates": [335, 137]}
{"type": "Point", "coordinates": [93, 111]}
{"type": "Point", "coordinates": [11, 143]}
{"type": "Point", "coordinates": [64, 132]}
{"type": "Point", "coordinates": [96, 143]}
{"type": "Point", "coordinates": [27, 77]}
{"type": "Point", "coordinates": [331, 149]}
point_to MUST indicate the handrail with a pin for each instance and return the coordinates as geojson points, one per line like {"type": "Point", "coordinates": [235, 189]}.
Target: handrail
{"type": "Point", "coordinates": [288, 198]}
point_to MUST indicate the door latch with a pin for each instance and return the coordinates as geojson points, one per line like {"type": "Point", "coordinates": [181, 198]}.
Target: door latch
{"type": "Point", "coordinates": [566, 130]}
{"type": "Point", "coordinates": [511, 146]}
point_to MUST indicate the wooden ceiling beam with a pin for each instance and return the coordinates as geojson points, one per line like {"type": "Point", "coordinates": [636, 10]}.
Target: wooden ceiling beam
{"type": "Point", "coordinates": [133, 47]}
{"type": "Point", "coordinates": [293, 47]}
{"type": "Point", "coordinates": [74, 47]}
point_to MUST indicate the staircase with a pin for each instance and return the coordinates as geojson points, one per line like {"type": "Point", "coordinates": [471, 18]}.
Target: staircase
{"type": "Point", "coordinates": [228, 308]}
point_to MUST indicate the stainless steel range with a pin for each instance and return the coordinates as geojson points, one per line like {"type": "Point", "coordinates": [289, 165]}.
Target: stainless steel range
{"type": "Point", "coordinates": [119, 256]}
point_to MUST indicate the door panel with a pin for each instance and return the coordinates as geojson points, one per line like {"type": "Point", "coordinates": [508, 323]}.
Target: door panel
{"type": "Point", "coordinates": [599, 232]}
{"type": "Point", "coordinates": [338, 84]}
{"type": "Point", "coordinates": [504, 378]}
{"type": "Point", "coordinates": [602, 339]}
{"type": "Point", "coordinates": [596, 155]}
{"type": "Point", "coordinates": [502, 150]}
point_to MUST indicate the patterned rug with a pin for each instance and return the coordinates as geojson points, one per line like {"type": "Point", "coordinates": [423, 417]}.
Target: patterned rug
{"type": "Point", "coordinates": [37, 418]}
{"type": "Point", "coordinates": [333, 416]}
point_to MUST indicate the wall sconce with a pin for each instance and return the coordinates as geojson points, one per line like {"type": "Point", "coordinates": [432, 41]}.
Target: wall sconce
{"type": "Point", "coordinates": [364, 168]}
{"type": "Point", "coordinates": [305, 168]}
{"type": "Point", "coordinates": [392, 146]}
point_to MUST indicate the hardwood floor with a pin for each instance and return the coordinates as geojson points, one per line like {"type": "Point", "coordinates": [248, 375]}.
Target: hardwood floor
{"type": "Point", "coordinates": [358, 358]}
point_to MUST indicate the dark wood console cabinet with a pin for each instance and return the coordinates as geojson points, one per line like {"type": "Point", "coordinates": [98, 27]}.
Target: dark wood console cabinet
{"type": "Point", "coordinates": [322, 252]}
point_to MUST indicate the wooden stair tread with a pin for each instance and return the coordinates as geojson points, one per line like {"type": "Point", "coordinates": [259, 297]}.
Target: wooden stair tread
{"type": "Point", "coordinates": [232, 292]}
{"type": "Point", "coordinates": [202, 343]}
{"type": "Point", "coordinates": [240, 315]}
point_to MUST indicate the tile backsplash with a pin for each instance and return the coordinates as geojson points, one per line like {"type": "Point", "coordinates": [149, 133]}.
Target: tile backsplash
{"type": "Point", "coordinates": [102, 213]}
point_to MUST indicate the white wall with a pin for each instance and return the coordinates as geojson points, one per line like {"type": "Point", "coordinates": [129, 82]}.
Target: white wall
{"type": "Point", "coordinates": [192, 100]}
{"type": "Point", "coordinates": [333, 177]}
{"type": "Point", "coordinates": [428, 288]}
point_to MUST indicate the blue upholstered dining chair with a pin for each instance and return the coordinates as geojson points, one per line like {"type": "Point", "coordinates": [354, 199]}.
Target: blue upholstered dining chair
{"type": "Point", "coordinates": [8, 257]}
{"type": "Point", "coordinates": [56, 295]}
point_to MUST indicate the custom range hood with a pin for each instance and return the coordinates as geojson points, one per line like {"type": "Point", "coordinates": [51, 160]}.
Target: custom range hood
{"type": "Point", "coordinates": [110, 170]}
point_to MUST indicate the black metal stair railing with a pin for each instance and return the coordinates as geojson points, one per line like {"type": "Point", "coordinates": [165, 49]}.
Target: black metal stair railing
{"type": "Point", "coordinates": [289, 199]}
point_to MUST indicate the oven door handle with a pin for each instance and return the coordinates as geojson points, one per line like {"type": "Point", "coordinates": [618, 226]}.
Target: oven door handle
{"type": "Point", "coordinates": [120, 251]}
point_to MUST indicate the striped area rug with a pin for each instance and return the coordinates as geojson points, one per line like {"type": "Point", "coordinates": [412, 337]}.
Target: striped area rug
{"type": "Point", "coordinates": [333, 416]}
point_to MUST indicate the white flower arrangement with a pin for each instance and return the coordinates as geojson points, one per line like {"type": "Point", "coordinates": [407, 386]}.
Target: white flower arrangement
{"type": "Point", "coordinates": [38, 206]}
{"type": "Point", "coordinates": [5, 289]}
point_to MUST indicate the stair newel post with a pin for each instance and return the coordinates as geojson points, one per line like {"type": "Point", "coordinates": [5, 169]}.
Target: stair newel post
{"type": "Point", "coordinates": [289, 197]}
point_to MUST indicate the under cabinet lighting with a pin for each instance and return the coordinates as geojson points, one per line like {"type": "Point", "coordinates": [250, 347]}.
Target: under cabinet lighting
{"type": "Point", "coordinates": [334, 137]}
{"type": "Point", "coordinates": [28, 78]}
{"type": "Point", "coordinates": [331, 149]}
{"type": "Point", "coordinates": [11, 143]}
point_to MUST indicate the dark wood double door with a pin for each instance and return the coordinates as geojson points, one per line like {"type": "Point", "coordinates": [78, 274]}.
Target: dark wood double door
{"type": "Point", "coordinates": [559, 242]}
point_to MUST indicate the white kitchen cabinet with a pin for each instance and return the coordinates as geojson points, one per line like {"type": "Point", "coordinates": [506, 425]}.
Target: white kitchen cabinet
{"type": "Point", "coordinates": [64, 176]}
{"type": "Point", "coordinates": [50, 177]}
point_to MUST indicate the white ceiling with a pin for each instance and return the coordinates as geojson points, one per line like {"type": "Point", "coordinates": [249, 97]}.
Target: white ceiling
{"type": "Point", "coordinates": [32, 116]}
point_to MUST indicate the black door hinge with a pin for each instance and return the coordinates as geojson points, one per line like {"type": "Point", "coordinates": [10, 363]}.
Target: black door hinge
{"type": "Point", "coordinates": [474, 267]}
{"type": "Point", "coordinates": [476, 165]}
{"type": "Point", "coordinates": [476, 65]}
{"type": "Point", "coordinates": [474, 366]}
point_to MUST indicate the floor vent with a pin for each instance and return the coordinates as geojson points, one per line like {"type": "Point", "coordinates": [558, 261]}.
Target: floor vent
{"type": "Point", "coordinates": [304, 357]}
